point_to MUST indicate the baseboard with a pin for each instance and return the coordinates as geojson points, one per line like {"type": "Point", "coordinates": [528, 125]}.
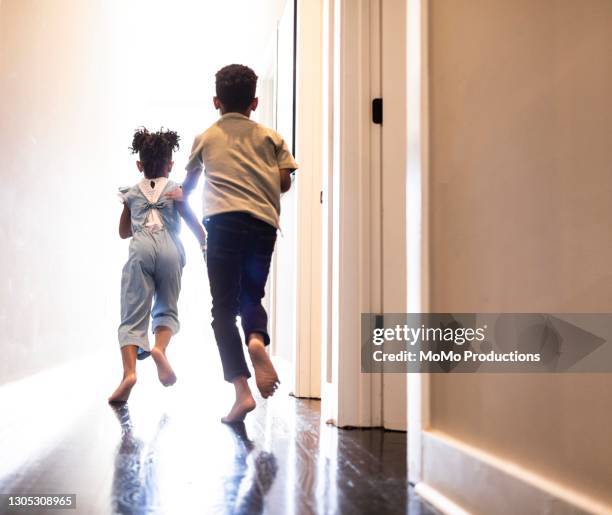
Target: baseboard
{"type": "Point", "coordinates": [438, 500]}
{"type": "Point", "coordinates": [458, 479]}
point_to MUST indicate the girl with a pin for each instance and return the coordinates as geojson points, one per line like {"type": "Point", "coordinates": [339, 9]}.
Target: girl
{"type": "Point", "coordinates": [152, 274]}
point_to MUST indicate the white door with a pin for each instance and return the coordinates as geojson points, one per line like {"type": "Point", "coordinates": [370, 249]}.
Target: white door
{"type": "Point", "coordinates": [365, 203]}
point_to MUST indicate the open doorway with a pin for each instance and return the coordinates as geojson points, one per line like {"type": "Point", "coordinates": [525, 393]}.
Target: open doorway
{"type": "Point", "coordinates": [77, 79]}
{"type": "Point", "coordinates": [157, 84]}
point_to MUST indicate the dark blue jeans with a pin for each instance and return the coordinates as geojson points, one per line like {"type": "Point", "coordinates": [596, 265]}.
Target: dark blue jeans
{"type": "Point", "coordinates": [239, 253]}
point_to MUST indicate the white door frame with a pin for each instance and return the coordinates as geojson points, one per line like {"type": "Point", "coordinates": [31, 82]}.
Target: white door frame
{"type": "Point", "coordinates": [394, 193]}
{"type": "Point", "coordinates": [283, 284]}
{"type": "Point", "coordinates": [347, 394]}
{"type": "Point", "coordinates": [309, 148]}
{"type": "Point", "coordinates": [417, 216]}
{"type": "Point", "coordinates": [305, 251]}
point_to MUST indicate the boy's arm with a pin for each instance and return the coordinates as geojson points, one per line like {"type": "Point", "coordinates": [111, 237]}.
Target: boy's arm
{"type": "Point", "coordinates": [192, 222]}
{"type": "Point", "coordinates": [286, 163]}
{"type": "Point", "coordinates": [191, 180]}
{"type": "Point", "coordinates": [285, 179]}
{"type": "Point", "coordinates": [194, 168]}
{"type": "Point", "coordinates": [125, 223]}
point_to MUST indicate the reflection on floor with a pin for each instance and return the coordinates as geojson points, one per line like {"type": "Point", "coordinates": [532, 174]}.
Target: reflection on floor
{"type": "Point", "coordinates": [166, 452]}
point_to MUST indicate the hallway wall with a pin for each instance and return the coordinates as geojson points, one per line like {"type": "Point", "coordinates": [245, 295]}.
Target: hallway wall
{"type": "Point", "coordinates": [520, 210]}
{"type": "Point", "coordinates": [56, 196]}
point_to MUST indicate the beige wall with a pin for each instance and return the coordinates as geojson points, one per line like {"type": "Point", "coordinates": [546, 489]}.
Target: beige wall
{"type": "Point", "coordinates": [521, 204]}
{"type": "Point", "coordinates": [56, 300]}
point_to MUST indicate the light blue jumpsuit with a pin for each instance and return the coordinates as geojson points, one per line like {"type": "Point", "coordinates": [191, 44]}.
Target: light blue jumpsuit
{"type": "Point", "coordinates": [153, 271]}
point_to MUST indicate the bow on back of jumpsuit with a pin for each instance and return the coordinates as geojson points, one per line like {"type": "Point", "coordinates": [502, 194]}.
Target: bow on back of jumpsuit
{"type": "Point", "coordinates": [160, 204]}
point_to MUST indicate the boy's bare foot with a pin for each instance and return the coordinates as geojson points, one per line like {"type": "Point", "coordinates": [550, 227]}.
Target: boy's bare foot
{"type": "Point", "coordinates": [122, 392]}
{"type": "Point", "coordinates": [166, 375]}
{"type": "Point", "coordinates": [240, 409]}
{"type": "Point", "coordinates": [265, 375]}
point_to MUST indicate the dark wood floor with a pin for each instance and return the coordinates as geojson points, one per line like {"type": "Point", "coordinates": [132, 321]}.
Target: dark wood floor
{"type": "Point", "coordinates": [166, 452]}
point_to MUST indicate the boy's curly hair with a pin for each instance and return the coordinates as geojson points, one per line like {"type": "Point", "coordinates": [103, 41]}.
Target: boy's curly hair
{"type": "Point", "coordinates": [235, 86]}
{"type": "Point", "coordinates": [154, 149]}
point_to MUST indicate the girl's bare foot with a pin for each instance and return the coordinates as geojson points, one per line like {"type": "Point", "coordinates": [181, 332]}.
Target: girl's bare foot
{"type": "Point", "coordinates": [122, 392]}
{"type": "Point", "coordinates": [265, 375]}
{"type": "Point", "coordinates": [166, 375]}
{"type": "Point", "coordinates": [240, 409]}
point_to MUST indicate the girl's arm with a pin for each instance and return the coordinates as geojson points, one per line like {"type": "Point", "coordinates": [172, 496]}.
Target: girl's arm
{"type": "Point", "coordinates": [192, 222]}
{"type": "Point", "coordinates": [125, 223]}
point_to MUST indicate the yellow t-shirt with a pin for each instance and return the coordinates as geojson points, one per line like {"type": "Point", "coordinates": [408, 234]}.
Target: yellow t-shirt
{"type": "Point", "coordinates": [242, 160]}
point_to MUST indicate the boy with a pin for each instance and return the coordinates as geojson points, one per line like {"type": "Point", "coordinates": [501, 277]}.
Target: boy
{"type": "Point", "coordinates": [247, 167]}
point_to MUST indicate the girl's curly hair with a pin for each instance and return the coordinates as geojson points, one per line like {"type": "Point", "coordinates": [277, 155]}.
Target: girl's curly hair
{"type": "Point", "coordinates": [154, 149]}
